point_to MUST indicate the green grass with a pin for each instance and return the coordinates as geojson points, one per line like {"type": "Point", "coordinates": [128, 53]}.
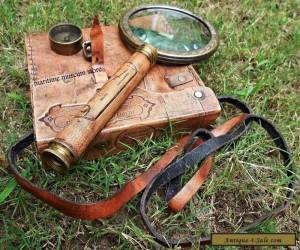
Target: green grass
{"type": "Point", "coordinates": [258, 61]}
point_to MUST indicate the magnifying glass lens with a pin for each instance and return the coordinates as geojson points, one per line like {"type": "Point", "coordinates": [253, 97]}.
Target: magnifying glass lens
{"type": "Point", "coordinates": [169, 30]}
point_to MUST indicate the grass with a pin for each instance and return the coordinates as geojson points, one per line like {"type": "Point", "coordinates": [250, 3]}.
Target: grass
{"type": "Point", "coordinates": [257, 61]}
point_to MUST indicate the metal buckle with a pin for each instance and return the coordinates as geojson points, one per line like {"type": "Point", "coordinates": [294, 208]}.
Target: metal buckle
{"type": "Point", "coordinates": [87, 50]}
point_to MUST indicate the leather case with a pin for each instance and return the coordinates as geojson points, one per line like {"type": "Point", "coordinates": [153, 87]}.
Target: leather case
{"type": "Point", "coordinates": [62, 85]}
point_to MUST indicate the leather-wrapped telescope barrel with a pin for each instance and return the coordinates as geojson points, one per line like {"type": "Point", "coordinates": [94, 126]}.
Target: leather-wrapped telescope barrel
{"type": "Point", "coordinates": [72, 141]}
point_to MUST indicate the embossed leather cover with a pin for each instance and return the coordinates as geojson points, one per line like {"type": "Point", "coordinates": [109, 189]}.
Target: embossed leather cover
{"type": "Point", "coordinates": [62, 85]}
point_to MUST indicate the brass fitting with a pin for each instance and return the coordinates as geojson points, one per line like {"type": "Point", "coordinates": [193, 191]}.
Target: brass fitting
{"type": "Point", "coordinates": [57, 157]}
{"type": "Point", "coordinates": [149, 51]}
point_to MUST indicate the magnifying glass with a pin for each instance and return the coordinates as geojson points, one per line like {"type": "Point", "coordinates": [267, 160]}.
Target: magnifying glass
{"type": "Point", "coordinates": [157, 34]}
{"type": "Point", "coordinates": [179, 36]}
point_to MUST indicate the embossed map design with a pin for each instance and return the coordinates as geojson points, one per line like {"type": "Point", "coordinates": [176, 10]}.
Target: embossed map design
{"type": "Point", "coordinates": [59, 116]}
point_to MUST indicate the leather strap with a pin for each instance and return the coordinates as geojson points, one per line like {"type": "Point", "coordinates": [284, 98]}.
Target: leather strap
{"type": "Point", "coordinates": [100, 209]}
{"type": "Point", "coordinates": [198, 148]}
{"type": "Point", "coordinates": [182, 197]}
{"type": "Point", "coordinates": [90, 211]}
{"type": "Point", "coordinates": [97, 50]}
{"type": "Point", "coordinates": [96, 36]}
{"type": "Point", "coordinates": [200, 153]}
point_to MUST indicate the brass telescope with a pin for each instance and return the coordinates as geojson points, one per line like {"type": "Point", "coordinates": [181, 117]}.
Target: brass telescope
{"type": "Point", "coordinates": [72, 141]}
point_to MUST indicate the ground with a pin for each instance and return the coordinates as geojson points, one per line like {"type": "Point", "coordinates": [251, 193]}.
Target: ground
{"type": "Point", "coordinates": [258, 61]}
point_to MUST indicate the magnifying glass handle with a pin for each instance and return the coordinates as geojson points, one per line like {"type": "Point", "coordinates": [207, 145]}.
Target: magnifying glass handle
{"type": "Point", "coordinates": [72, 141]}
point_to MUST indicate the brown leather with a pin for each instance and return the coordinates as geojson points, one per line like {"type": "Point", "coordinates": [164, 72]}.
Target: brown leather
{"type": "Point", "coordinates": [97, 42]}
{"type": "Point", "coordinates": [107, 207]}
{"type": "Point", "coordinates": [104, 208]}
{"type": "Point", "coordinates": [158, 100]}
{"type": "Point", "coordinates": [81, 130]}
{"type": "Point", "coordinates": [178, 202]}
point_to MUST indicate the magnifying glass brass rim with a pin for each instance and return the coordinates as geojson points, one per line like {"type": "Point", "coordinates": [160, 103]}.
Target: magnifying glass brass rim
{"type": "Point", "coordinates": [169, 57]}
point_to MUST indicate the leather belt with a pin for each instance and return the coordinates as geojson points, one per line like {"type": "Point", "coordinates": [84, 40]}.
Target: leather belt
{"type": "Point", "coordinates": [188, 151]}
